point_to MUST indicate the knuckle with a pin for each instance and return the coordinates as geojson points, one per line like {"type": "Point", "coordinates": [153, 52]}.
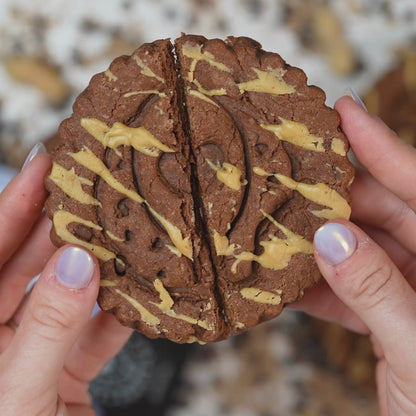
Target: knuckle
{"type": "Point", "coordinates": [371, 288]}
{"type": "Point", "coordinates": [396, 219]}
{"type": "Point", "coordinates": [51, 319]}
{"type": "Point", "coordinates": [411, 200]}
{"type": "Point", "coordinates": [408, 269]}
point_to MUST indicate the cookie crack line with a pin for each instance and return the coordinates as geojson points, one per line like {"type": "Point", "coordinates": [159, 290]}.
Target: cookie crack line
{"type": "Point", "coordinates": [197, 74]}
{"type": "Point", "coordinates": [183, 129]}
{"type": "Point", "coordinates": [198, 205]}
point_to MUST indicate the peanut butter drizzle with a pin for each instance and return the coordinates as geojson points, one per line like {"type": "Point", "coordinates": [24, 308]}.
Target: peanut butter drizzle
{"type": "Point", "coordinates": [228, 174]}
{"type": "Point", "coordinates": [71, 184]}
{"type": "Point", "coordinates": [195, 52]}
{"type": "Point", "coordinates": [143, 141]}
{"type": "Point", "coordinates": [192, 339]}
{"type": "Point", "coordinates": [201, 96]}
{"type": "Point", "coordinates": [182, 244]}
{"type": "Point", "coordinates": [121, 135]}
{"type": "Point", "coordinates": [270, 82]}
{"type": "Point", "coordinates": [114, 237]}
{"type": "Point", "coordinates": [61, 220]}
{"type": "Point", "coordinates": [107, 283]}
{"type": "Point", "coordinates": [166, 304]}
{"type": "Point", "coordinates": [173, 250]}
{"type": "Point", "coordinates": [320, 193]}
{"type": "Point", "coordinates": [338, 147]}
{"type": "Point", "coordinates": [145, 314]}
{"type": "Point", "coordinates": [146, 69]}
{"type": "Point", "coordinates": [110, 75]}
{"type": "Point", "coordinates": [215, 91]}
{"type": "Point", "coordinates": [88, 159]}
{"type": "Point", "coordinates": [261, 296]}
{"type": "Point", "coordinates": [166, 301]}
{"type": "Point", "coordinates": [277, 251]}
{"type": "Point", "coordinates": [297, 134]}
{"type": "Point", "coordinates": [222, 245]}
{"type": "Point", "coordinates": [156, 92]}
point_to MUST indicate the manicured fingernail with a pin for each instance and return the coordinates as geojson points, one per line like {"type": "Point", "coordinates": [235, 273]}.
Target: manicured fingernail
{"type": "Point", "coordinates": [74, 268]}
{"type": "Point", "coordinates": [349, 91]}
{"type": "Point", "coordinates": [335, 243]}
{"type": "Point", "coordinates": [37, 148]}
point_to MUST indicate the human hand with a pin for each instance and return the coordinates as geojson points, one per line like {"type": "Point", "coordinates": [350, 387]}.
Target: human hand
{"type": "Point", "coordinates": [371, 276]}
{"type": "Point", "coordinates": [50, 349]}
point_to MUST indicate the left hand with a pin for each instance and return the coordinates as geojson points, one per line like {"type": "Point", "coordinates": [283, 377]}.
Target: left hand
{"type": "Point", "coordinates": [50, 349]}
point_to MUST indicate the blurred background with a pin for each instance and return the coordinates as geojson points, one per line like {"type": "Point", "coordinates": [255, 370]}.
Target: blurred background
{"type": "Point", "coordinates": [293, 365]}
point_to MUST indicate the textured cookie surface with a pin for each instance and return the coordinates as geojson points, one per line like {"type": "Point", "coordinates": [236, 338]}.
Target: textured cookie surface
{"type": "Point", "coordinates": [198, 173]}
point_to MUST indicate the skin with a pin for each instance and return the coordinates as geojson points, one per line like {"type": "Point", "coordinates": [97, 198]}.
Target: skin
{"type": "Point", "coordinates": [46, 364]}
{"type": "Point", "coordinates": [373, 291]}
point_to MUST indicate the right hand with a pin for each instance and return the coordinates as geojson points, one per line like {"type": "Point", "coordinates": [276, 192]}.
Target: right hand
{"type": "Point", "coordinates": [370, 281]}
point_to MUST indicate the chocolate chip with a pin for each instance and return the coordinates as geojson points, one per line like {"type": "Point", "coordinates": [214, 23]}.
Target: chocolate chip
{"type": "Point", "coordinates": [123, 208]}
{"type": "Point", "coordinates": [120, 266]}
{"type": "Point", "coordinates": [157, 244]}
{"type": "Point", "coordinates": [82, 232]}
{"type": "Point", "coordinates": [128, 235]}
{"type": "Point", "coordinates": [261, 148]}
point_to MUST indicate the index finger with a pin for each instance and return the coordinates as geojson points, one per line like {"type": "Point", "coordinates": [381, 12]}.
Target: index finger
{"type": "Point", "coordinates": [389, 159]}
{"type": "Point", "coordinates": [21, 203]}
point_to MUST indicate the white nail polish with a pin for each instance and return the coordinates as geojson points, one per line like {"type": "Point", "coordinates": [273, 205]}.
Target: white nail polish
{"type": "Point", "coordinates": [37, 148]}
{"type": "Point", "coordinates": [96, 310]}
{"type": "Point", "coordinates": [75, 268]}
{"type": "Point", "coordinates": [335, 243]}
{"type": "Point", "coordinates": [350, 92]}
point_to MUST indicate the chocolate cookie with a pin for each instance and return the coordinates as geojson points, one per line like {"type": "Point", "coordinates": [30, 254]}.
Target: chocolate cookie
{"type": "Point", "coordinates": [197, 173]}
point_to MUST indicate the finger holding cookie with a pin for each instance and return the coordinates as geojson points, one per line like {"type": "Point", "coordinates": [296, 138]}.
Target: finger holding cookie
{"type": "Point", "coordinates": [24, 244]}
{"type": "Point", "coordinates": [390, 161]}
{"type": "Point", "coordinates": [361, 273]}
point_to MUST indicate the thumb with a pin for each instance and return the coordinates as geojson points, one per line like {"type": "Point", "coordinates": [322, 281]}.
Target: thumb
{"type": "Point", "coordinates": [59, 307]}
{"type": "Point", "coordinates": [368, 282]}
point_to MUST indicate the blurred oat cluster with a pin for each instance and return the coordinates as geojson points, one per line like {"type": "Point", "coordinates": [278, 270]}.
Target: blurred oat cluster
{"type": "Point", "coordinates": [49, 51]}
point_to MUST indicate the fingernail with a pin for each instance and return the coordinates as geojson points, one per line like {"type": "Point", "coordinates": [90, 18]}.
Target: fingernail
{"type": "Point", "coordinates": [335, 243]}
{"type": "Point", "coordinates": [350, 92]}
{"type": "Point", "coordinates": [37, 148]}
{"type": "Point", "coordinates": [74, 268]}
{"type": "Point", "coordinates": [96, 310]}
